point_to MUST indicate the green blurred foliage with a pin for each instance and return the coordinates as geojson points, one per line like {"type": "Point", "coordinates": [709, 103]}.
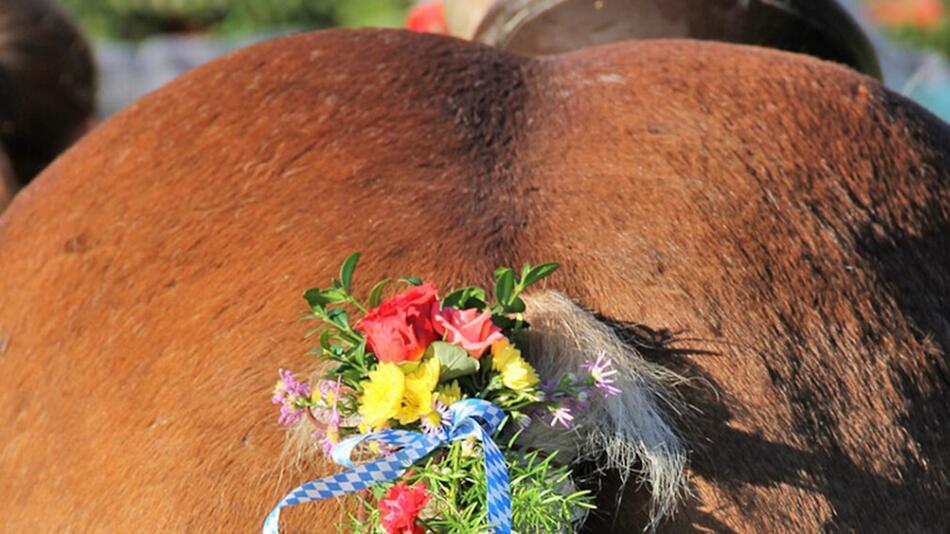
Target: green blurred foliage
{"type": "Point", "coordinates": [936, 38]}
{"type": "Point", "coordinates": [137, 19]}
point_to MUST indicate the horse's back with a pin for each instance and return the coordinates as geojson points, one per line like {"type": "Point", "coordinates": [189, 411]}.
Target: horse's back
{"type": "Point", "coordinates": [786, 215]}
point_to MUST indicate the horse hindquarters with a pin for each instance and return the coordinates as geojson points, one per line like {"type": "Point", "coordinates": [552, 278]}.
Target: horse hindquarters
{"type": "Point", "coordinates": [771, 210]}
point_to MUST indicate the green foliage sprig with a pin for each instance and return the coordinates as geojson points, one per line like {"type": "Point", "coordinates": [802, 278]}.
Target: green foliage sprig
{"type": "Point", "coordinates": [456, 482]}
{"type": "Point", "coordinates": [339, 342]}
{"type": "Point", "coordinates": [509, 307]}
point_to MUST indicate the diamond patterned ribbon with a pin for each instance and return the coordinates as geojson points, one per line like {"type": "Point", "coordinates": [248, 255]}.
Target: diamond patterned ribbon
{"type": "Point", "coordinates": [470, 417]}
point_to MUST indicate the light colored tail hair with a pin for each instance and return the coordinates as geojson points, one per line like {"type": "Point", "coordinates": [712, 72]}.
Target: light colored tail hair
{"type": "Point", "coordinates": [630, 432]}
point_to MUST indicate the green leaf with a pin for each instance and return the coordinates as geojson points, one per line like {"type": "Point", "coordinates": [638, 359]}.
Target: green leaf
{"type": "Point", "coordinates": [325, 340]}
{"type": "Point", "coordinates": [339, 317]}
{"type": "Point", "coordinates": [516, 306]}
{"type": "Point", "coordinates": [503, 322]}
{"type": "Point", "coordinates": [346, 271]}
{"type": "Point", "coordinates": [412, 280]}
{"type": "Point", "coordinates": [376, 294]}
{"type": "Point", "coordinates": [335, 295]}
{"type": "Point", "coordinates": [536, 274]}
{"type": "Point", "coordinates": [315, 298]}
{"type": "Point", "coordinates": [504, 285]}
{"type": "Point", "coordinates": [525, 269]}
{"type": "Point", "coordinates": [467, 297]}
{"type": "Point", "coordinates": [454, 361]}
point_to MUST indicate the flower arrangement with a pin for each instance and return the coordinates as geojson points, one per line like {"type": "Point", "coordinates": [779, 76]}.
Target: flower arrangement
{"type": "Point", "coordinates": [434, 394]}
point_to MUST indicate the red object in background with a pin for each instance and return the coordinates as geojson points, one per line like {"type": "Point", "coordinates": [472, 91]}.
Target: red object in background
{"type": "Point", "coordinates": [923, 14]}
{"type": "Point", "coordinates": [428, 17]}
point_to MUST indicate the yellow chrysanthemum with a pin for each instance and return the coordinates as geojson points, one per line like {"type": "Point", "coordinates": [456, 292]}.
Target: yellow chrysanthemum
{"type": "Point", "coordinates": [516, 373]}
{"type": "Point", "coordinates": [519, 375]}
{"type": "Point", "coordinates": [382, 394]}
{"type": "Point", "coordinates": [503, 353]}
{"type": "Point", "coordinates": [449, 394]}
{"type": "Point", "coordinates": [418, 396]}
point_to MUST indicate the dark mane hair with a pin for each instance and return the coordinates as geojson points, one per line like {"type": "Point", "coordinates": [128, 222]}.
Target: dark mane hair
{"type": "Point", "coordinates": [47, 83]}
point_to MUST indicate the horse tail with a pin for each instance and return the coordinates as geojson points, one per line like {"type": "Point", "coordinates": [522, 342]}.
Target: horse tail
{"type": "Point", "coordinates": [631, 432]}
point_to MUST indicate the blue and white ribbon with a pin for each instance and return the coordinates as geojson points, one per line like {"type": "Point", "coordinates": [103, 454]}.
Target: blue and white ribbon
{"type": "Point", "coordinates": [470, 417]}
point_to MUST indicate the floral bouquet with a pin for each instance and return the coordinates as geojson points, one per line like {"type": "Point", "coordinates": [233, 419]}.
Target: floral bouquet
{"type": "Point", "coordinates": [433, 395]}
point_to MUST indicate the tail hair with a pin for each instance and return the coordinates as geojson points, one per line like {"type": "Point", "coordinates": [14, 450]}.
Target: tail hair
{"type": "Point", "coordinates": [632, 431]}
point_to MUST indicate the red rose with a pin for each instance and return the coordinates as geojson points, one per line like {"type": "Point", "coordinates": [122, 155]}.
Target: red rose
{"type": "Point", "coordinates": [400, 506]}
{"type": "Point", "coordinates": [400, 329]}
{"type": "Point", "coordinates": [470, 329]}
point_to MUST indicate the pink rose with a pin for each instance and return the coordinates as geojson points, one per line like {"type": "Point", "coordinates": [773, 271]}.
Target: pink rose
{"type": "Point", "coordinates": [400, 329]}
{"type": "Point", "coordinates": [470, 329]}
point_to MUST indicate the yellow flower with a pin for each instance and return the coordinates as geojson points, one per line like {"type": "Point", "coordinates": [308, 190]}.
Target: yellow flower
{"type": "Point", "coordinates": [434, 419]}
{"type": "Point", "coordinates": [503, 353]}
{"type": "Point", "coordinates": [333, 434]}
{"type": "Point", "coordinates": [417, 398]}
{"type": "Point", "coordinates": [516, 373]}
{"type": "Point", "coordinates": [519, 375]}
{"type": "Point", "coordinates": [382, 394]}
{"type": "Point", "coordinates": [449, 394]}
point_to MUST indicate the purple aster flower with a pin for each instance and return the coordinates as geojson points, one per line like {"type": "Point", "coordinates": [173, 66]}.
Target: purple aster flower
{"type": "Point", "coordinates": [330, 396]}
{"type": "Point", "coordinates": [331, 436]}
{"type": "Point", "coordinates": [290, 415]}
{"type": "Point", "coordinates": [290, 394]}
{"type": "Point", "coordinates": [330, 390]}
{"type": "Point", "coordinates": [289, 386]}
{"type": "Point", "coordinates": [602, 371]}
{"type": "Point", "coordinates": [581, 402]}
{"type": "Point", "coordinates": [522, 420]}
{"type": "Point", "coordinates": [437, 422]}
{"type": "Point", "coordinates": [562, 415]}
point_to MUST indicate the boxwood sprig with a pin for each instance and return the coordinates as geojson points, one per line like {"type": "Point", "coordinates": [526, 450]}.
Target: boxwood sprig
{"type": "Point", "coordinates": [339, 342]}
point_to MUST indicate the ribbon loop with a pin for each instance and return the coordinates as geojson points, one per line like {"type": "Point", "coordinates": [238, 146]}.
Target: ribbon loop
{"type": "Point", "coordinates": [470, 417]}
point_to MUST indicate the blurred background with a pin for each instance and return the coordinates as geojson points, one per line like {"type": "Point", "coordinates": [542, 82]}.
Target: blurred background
{"type": "Point", "coordinates": [141, 44]}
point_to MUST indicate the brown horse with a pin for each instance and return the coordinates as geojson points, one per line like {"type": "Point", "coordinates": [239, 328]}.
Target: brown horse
{"type": "Point", "coordinates": [769, 225]}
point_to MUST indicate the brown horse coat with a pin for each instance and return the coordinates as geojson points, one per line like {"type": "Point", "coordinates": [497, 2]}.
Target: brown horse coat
{"type": "Point", "coordinates": [769, 224]}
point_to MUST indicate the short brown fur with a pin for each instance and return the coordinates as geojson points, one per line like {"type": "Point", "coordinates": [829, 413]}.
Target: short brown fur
{"type": "Point", "coordinates": [769, 223]}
